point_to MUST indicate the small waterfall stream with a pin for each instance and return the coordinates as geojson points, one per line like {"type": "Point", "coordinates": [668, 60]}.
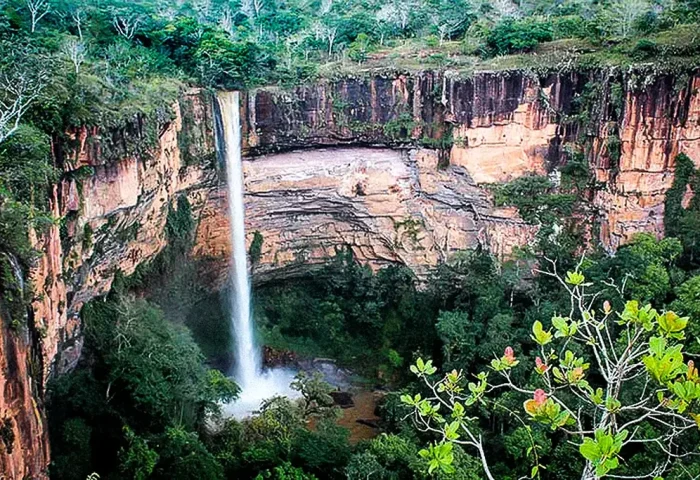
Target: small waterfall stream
{"type": "Point", "coordinates": [17, 271]}
{"type": "Point", "coordinates": [256, 384]}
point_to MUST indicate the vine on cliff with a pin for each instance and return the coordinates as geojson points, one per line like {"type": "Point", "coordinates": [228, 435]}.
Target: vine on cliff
{"type": "Point", "coordinates": [682, 221]}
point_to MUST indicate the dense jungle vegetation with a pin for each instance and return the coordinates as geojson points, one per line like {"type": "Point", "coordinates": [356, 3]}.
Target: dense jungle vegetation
{"type": "Point", "coordinates": [152, 423]}
{"type": "Point", "coordinates": [140, 403]}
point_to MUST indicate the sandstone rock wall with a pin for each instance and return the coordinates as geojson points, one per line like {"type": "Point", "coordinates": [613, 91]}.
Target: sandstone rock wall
{"type": "Point", "coordinates": [389, 206]}
{"type": "Point", "coordinates": [24, 446]}
{"type": "Point", "coordinates": [659, 121]}
{"type": "Point", "coordinates": [114, 219]}
{"type": "Point", "coordinates": [500, 126]}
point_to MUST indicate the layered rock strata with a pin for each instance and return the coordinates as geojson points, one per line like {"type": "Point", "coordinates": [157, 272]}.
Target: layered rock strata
{"type": "Point", "coordinates": [114, 218]}
{"type": "Point", "coordinates": [390, 206]}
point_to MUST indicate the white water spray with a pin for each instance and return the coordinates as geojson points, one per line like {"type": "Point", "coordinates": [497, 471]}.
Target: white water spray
{"type": "Point", "coordinates": [255, 384]}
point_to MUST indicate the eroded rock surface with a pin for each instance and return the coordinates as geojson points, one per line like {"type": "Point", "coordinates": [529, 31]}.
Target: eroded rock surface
{"type": "Point", "coordinates": [389, 206]}
{"type": "Point", "coordinates": [114, 220]}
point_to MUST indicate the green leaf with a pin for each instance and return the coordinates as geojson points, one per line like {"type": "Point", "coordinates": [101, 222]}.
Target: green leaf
{"type": "Point", "coordinates": [589, 450]}
{"type": "Point", "coordinates": [451, 430]}
{"type": "Point", "coordinates": [575, 278]}
{"type": "Point", "coordinates": [539, 335]}
{"type": "Point", "coordinates": [458, 411]}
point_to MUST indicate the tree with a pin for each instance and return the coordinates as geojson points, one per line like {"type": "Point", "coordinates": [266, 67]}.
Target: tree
{"type": "Point", "coordinates": [183, 456]}
{"type": "Point", "coordinates": [75, 51]}
{"type": "Point", "coordinates": [326, 6]}
{"type": "Point", "coordinates": [608, 380]}
{"type": "Point", "coordinates": [504, 9]}
{"type": "Point", "coordinates": [74, 12]}
{"type": "Point", "coordinates": [26, 169]}
{"type": "Point", "coordinates": [510, 36]}
{"type": "Point", "coordinates": [226, 21]}
{"type": "Point", "coordinates": [38, 9]}
{"type": "Point", "coordinates": [78, 15]}
{"type": "Point", "coordinates": [397, 13]}
{"type": "Point", "coordinates": [620, 16]}
{"type": "Point", "coordinates": [327, 30]}
{"type": "Point", "coordinates": [292, 43]}
{"type": "Point", "coordinates": [315, 393]}
{"type": "Point", "coordinates": [258, 5]}
{"type": "Point", "coordinates": [452, 330]}
{"type": "Point", "coordinates": [137, 460]}
{"type": "Point", "coordinates": [152, 368]}
{"type": "Point", "coordinates": [22, 81]}
{"type": "Point", "coordinates": [248, 9]}
{"type": "Point", "coordinates": [285, 472]}
{"type": "Point", "coordinates": [449, 17]}
{"type": "Point", "coordinates": [145, 394]}
{"type": "Point", "coordinates": [126, 23]}
{"type": "Point", "coordinates": [646, 267]}
{"type": "Point", "coordinates": [359, 48]}
{"type": "Point", "coordinates": [687, 303]}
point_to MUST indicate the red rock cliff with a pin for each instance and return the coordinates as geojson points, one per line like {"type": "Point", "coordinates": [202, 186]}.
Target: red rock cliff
{"type": "Point", "coordinates": [114, 215]}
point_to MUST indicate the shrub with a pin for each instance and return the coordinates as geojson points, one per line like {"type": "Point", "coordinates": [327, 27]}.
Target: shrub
{"type": "Point", "coordinates": [513, 36]}
{"type": "Point", "coordinates": [570, 26]}
{"type": "Point", "coordinates": [644, 49]}
{"type": "Point", "coordinates": [360, 48]}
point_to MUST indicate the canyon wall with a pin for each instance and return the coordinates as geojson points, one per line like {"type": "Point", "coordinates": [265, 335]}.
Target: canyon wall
{"type": "Point", "coordinates": [502, 125]}
{"type": "Point", "coordinates": [390, 206]}
{"type": "Point", "coordinates": [398, 168]}
{"type": "Point", "coordinates": [113, 218]}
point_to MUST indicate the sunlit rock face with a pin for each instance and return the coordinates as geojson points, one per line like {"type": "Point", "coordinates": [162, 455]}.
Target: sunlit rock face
{"type": "Point", "coordinates": [114, 220]}
{"type": "Point", "coordinates": [26, 448]}
{"type": "Point", "coordinates": [658, 122]}
{"type": "Point", "coordinates": [390, 206]}
{"type": "Point", "coordinates": [507, 124]}
{"type": "Point", "coordinates": [401, 177]}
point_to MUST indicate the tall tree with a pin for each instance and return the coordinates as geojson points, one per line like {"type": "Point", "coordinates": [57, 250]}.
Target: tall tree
{"type": "Point", "coordinates": [38, 9]}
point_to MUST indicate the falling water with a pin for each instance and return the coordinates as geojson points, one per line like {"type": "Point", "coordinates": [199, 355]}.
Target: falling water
{"type": "Point", "coordinates": [247, 356]}
{"type": "Point", "coordinates": [255, 383]}
{"type": "Point", "coordinates": [17, 271]}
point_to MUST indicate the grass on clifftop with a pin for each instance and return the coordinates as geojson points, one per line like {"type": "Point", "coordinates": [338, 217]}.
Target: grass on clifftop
{"type": "Point", "coordinates": [674, 50]}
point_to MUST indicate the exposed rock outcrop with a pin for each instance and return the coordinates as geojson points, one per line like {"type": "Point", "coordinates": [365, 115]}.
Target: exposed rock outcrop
{"type": "Point", "coordinates": [114, 219]}
{"type": "Point", "coordinates": [659, 121]}
{"type": "Point", "coordinates": [499, 126]}
{"type": "Point", "coordinates": [24, 443]}
{"type": "Point", "coordinates": [389, 206]}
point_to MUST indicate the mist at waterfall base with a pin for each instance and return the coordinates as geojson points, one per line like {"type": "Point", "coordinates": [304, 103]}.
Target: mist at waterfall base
{"type": "Point", "coordinates": [256, 384]}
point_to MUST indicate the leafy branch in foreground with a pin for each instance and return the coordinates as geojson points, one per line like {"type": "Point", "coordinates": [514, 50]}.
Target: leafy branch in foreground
{"type": "Point", "coordinates": [609, 380]}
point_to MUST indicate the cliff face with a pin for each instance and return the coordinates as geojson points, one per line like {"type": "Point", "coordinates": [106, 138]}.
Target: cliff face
{"type": "Point", "coordinates": [658, 121]}
{"type": "Point", "coordinates": [401, 177]}
{"type": "Point", "coordinates": [389, 206]}
{"type": "Point", "coordinates": [499, 126]}
{"type": "Point", "coordinates": [114, 217]}
{"type": "Point", "coordinates": [24, 445]}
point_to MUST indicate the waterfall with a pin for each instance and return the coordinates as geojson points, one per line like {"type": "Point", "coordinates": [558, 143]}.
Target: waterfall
{"type": "Point", "coordinates": [17, 271]}
{"type": "Point", "coordinates": [247, 356]}
{"type": "Point", "coordinates": [256, 384]}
